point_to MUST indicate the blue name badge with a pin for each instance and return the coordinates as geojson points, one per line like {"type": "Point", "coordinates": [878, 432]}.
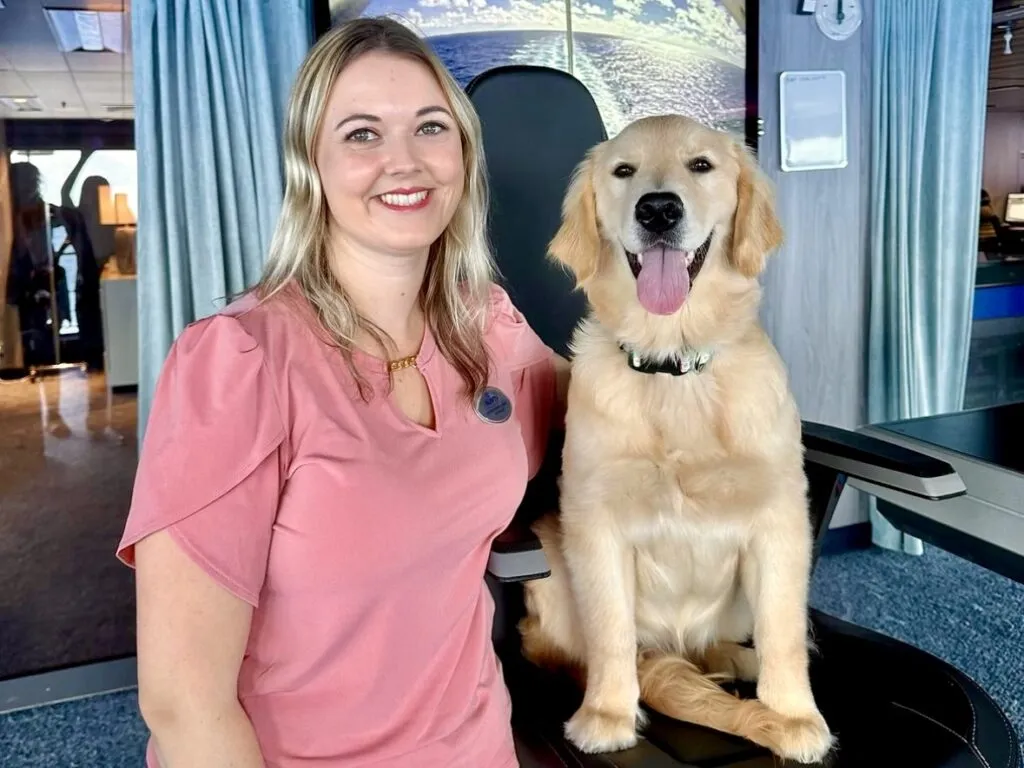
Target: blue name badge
{"type": "Point", "coordinates": [493, 406]}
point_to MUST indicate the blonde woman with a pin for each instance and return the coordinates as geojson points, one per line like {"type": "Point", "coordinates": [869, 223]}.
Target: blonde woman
{"type": "Point", "coordinates": [329, 458]}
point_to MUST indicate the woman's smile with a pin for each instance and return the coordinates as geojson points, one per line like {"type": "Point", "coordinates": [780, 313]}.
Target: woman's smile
{"type": "Point", "coordinates": [409, 199]}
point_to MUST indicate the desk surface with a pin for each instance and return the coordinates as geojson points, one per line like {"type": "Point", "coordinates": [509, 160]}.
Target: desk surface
{"type": "Point", "coordinates": [994, 435]}
{"type": "Point", "coordinates": [986, 447]}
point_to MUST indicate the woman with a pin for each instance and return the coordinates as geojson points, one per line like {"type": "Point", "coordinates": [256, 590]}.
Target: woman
{"type": "Point", "coordinates": [329, 458]}
{"type": "Point", "coordinates": [29, 267]}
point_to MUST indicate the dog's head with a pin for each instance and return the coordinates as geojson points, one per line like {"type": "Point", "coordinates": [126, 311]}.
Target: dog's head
{"type": "Point", "coordinates": [660, 216]}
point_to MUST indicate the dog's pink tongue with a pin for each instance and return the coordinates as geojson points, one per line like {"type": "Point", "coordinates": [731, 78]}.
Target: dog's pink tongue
{"type": "Point", "coordinates": [663, 283]}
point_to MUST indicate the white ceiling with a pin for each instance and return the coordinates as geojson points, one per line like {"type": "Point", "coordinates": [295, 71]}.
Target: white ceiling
{"type": "Point", "coordinates": [1006, 70]}
{"type": "Point", "coordinates": [83, 84]}
{"type": "Point", "coordinates": [77, 84]}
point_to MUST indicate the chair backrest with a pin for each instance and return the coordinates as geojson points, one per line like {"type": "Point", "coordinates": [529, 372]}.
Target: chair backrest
{"type": "Point", "coordinates": [537, 124]}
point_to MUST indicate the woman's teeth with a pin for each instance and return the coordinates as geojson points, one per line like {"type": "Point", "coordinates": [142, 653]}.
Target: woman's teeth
{"type": "Point", "coordinates": [404, 200]}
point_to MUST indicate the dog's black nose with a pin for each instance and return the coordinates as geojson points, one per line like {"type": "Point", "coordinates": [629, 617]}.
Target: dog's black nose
{"type": "Point", "coordinates": [659, 211]}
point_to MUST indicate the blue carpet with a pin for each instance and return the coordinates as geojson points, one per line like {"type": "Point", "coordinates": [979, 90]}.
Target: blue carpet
{"type": "Point", "coordinates": [99, 731]}
{"type": "Point", "coordinates": [940, 603]}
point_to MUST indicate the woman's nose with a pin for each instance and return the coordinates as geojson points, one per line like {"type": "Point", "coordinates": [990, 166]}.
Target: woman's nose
{"type": "Point", "coordinates": [402, 155]}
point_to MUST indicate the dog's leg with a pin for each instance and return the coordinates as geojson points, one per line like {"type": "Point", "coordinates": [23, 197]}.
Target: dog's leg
{"type": "Point", "coordinates": [776, 578]}
{"type": "Point", "coordinates": [603, 582]}
{"type": "Point", "coordinates": [541, 651]}
{"type": "Point", "coordinates": [676, 688]}
{"type": "Point", "coordinates": [549, 628]}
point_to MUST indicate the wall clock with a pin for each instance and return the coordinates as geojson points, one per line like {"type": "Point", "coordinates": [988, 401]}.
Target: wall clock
{"type": "Point", "coordinates": [838, 19]}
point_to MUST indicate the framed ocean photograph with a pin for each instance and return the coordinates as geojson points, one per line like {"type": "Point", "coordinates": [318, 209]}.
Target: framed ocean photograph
{"type": "Point", "coordinates": [643, 57]}
{"type": "Point", "coordinates": [637, 57]}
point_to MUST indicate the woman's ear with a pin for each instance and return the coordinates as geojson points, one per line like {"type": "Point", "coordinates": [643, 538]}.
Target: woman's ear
{"type": "Point", "coordinates": [756, 229]}
{"type": "Point", "coordinates": [577, 244]}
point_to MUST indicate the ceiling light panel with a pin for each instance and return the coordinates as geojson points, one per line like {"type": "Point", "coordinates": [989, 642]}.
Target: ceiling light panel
{"type": "Point", "coordinates": [21, 103]}
{"type": "Point", "coordinates": [87, 30]}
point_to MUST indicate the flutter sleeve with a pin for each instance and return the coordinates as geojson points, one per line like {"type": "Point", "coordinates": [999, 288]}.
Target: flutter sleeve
{"type": "Point", "coordinates": [210, 469]}
{"type": "Point", "coordinates": [530, 361]}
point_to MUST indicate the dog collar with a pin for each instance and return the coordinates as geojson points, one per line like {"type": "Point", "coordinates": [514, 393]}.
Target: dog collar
{"type": "Point", "coordinates": [685, 361]}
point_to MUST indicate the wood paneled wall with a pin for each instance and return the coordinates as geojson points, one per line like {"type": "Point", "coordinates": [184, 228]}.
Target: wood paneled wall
{"type": "Point", "coordinates": [816, 289]}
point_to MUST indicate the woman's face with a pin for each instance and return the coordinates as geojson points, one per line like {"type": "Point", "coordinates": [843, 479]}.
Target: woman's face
{"type": "Point", "coordinates": [389, 156]}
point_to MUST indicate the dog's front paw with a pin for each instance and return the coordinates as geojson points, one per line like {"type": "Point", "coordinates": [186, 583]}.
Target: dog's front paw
{"type": "Point", "coordinates": [805, 739]}
{"type": "Point", "coordinates": [594, 731]}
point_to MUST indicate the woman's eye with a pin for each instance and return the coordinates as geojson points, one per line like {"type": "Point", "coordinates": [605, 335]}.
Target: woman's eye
{"type": "Point", "coordinates": [433, 128]}
{"type": "Point", "coordinates": [361, 135]}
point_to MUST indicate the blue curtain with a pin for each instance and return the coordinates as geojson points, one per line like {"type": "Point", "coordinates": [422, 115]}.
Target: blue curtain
{"type": "Point", "coordinates": [211, 85]}
{"type": "Point", "coordinates": [929, 76]}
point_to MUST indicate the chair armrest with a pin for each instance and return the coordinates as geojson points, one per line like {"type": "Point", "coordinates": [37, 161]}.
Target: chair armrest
{"type": "Point", "coordinates": [516, 553]}
{"type": "Point", "coordinates": [880, 462]}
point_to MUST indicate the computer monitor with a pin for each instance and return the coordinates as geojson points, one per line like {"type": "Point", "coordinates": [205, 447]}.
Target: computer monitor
{"type": "Point", "coordinates": [1014, 208]}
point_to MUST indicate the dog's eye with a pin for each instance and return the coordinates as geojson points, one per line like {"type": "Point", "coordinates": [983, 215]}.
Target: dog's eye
{"type": "Point", "coordinates": [700, 165]}
{"type": "Point", "coordinates": [624, 170]}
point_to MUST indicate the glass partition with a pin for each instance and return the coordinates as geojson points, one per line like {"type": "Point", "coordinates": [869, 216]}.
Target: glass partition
{"type": "Point", "coordinates": [68, 349]}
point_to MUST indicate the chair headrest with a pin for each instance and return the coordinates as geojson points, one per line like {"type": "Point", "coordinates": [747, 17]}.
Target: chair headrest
{"type": "Point", "coordinates": [538, 124]}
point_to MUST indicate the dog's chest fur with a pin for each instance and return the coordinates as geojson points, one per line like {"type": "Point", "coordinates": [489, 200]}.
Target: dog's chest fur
{"type": "Point", "coordinates": [694, 457]}
{"type": "Point", "coordinates": [688, 590]}
{"type": "Point", "coordinates": [736, 409]}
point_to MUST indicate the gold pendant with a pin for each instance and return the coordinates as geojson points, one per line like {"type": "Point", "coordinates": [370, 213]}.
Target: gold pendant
{"type": "Point", "coordinates": [402, 362]}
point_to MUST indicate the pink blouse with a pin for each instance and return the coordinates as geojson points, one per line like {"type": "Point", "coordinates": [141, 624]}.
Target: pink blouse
{"type": "Point", "coordinates": [360, 537]}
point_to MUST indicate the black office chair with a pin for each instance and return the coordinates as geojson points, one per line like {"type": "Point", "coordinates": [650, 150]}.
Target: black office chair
{"type": "Point", "coordinates": [889, 704]}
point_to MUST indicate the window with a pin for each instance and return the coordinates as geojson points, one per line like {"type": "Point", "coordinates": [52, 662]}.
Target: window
{"type": "Point", "coordinates": [54, 167]}
{"type": "Point", "coordinates": [118, 167]}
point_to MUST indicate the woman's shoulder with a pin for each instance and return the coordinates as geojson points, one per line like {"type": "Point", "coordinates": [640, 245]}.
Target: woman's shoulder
{"type": "Point", "coordinates": [240, 354]}
{"type": "Point", "coordinates": [215, 419]}
{"type": "Point", "coordinates": [502, 312]}
{"type": "Point", "coordinates": [508, 333]}
{"type": "Point", "coordinates": [247, 324]}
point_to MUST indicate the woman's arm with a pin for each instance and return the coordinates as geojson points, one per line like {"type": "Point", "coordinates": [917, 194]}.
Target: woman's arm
{"type": "Point", "coordinates": [192, 635]}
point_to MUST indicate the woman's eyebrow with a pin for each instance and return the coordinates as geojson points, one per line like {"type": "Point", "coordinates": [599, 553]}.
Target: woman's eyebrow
{"type": "Point", "coordinates": [357, 116]}
{"type": "Point", "coordinates": [375, 119]}
{"type": "Point", "coordinates": [434, 108]}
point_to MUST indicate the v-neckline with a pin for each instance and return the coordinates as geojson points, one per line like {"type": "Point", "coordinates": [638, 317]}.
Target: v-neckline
{"type": "Point", "coordinates": [424, 364]}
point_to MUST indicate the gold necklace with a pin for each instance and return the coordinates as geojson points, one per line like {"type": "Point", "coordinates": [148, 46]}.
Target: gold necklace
{"type": "Point", "coordinates": [402, 362]}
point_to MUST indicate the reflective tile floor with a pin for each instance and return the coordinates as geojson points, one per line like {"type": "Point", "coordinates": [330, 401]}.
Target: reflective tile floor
{"type": "Point", "coordinates": [67, 461]}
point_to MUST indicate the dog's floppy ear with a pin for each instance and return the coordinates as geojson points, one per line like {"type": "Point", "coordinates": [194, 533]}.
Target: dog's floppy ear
{"type": "Point", "coordinates": [577, 243]}
{"type": "Point", "coordinates": [756, 229]}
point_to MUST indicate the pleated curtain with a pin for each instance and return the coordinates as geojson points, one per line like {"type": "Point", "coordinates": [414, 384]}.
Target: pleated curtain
{"type": "Point", "coordinates": [929, 74]}
{"type": "Point", "coordinates": [211, 85]}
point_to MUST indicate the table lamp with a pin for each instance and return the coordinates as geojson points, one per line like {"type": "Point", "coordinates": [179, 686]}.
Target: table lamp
{"type": "Point", "coordinates": [114, 211]}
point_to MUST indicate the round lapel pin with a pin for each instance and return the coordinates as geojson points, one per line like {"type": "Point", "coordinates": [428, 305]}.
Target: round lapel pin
{"type": "Point", "coordinates": [493, 406]}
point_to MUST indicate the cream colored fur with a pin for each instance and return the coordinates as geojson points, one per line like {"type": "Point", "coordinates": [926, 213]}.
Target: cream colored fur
{"type": "Point", "coordinates": [684, 529]}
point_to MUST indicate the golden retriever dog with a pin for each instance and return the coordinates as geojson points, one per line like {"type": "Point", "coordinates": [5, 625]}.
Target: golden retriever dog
{"type": "Point", "coordinates": [684, 532]}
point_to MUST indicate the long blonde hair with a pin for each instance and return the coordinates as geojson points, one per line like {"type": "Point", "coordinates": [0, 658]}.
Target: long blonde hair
{"type": "Point", "coordinates": [460, 267]}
